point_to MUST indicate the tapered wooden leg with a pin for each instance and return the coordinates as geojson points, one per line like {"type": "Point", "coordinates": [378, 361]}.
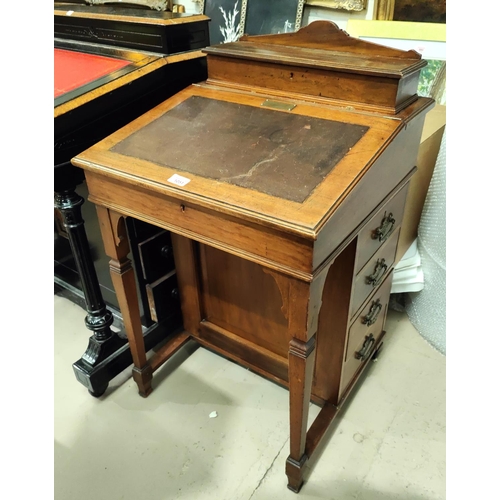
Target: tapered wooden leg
{"type": "Point", "coordinates": [117, 248]}
{"type": "Point", "coordinates": [301, 367]}
{"type": "Point", "coordinates": [305, 304]}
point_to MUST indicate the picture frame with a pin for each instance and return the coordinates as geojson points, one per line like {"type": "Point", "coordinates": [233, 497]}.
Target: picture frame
{"type": "Point", "coordinates": [424, 11]}
{"type": "Point", "coordinates": [227, 19]}
{"type": "Point", "coordinates": [349, 5]}
{"type": "Point", "coordinates": [428, 39]}
{"type": "Point", "coordinates": [264, 17]}
{"type": "Point", "coordinates": [160, 5]}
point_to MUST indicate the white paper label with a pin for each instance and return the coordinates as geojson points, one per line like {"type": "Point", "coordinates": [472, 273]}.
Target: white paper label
{"type": "Point", "coordinates": [178, 180]}
{"type": "Point", "coordinates": [69, 12]}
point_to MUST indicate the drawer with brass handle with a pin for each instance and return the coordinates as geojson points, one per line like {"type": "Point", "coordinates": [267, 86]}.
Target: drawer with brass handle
{"type": "Point", "coordinates": [370, 318]}
{"type": "Point", "coordinates": [364, 332]}
{"type": "Point", "coordinates": [380, 228]}
{"type": "Point", "coordinates": [366, 348]}
{"type": "Point", "coordinates": [374, 272]}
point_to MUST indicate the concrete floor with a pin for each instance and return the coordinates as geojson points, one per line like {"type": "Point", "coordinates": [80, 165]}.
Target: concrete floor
{"type": "Point", "coordinates": [388, 444]}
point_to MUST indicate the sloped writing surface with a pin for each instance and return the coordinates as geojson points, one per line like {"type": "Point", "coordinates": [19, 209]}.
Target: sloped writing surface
{"type": "Point", "coordinates": [74, 69]}
{"type": "Point", "coordinates": [280, 154]}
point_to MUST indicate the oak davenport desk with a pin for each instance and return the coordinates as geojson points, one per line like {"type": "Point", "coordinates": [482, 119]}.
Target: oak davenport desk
{"type": "Point", "coordinates": [282, 179]}
{"type": "Point", "coordinates": [111, 64]}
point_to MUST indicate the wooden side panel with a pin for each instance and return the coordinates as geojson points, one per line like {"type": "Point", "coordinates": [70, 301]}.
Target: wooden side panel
{"type": "Point", "coordinates": [241, 298]}
{"type": "Point", "coordinates": [332, 327]}
{"type": "Point", "coordinates": [394, 165]}
{"type": "Point", "coordinates": [186, 259]}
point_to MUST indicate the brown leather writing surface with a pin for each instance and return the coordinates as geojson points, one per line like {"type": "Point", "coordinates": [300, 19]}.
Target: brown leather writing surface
{"type": "Point", "coordinates": [277, 153]}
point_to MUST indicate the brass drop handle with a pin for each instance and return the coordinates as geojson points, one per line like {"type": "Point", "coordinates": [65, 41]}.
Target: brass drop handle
{"type": "Point", "coordinates": [366, 349]}
{"type": "Point", "coordinates": [385, 229]}
{"type": "Point", "coordinates": [380, 269]}
{"type": "Point", "coordinates": [372, 315]}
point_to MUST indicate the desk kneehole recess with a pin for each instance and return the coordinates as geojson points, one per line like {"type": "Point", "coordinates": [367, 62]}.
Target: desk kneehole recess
{"type": "Point", "coordinates": [285, 235]}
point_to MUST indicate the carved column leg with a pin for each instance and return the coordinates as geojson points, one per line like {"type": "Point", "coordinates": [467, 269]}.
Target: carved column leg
{"type": "Point", "coordinates": [305, 303]}
{"type": "Point", "coordinates": [117, 248]}
{"type": "Point", "coordinates": [99, 318]}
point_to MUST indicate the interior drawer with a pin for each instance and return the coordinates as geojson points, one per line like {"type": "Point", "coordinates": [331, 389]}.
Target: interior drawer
{"type": "Point", "coordinates": [364, 334]}
{"type": "Point", "coordinates": [380, 227]}
{"type": "Point", "coordinates": [163, 297]}
{"type": "Point", "coordinates": [156, 256]}
{"type": "Point", "coordinates": [374, 272]}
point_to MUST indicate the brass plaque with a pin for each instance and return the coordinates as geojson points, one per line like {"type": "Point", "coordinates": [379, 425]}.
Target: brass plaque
{"type": "Point", "coordinates": [284, 106]}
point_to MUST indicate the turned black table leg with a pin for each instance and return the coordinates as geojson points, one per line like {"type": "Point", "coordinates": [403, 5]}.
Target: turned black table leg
{"type": "Point", "coordinates": [99, 319]}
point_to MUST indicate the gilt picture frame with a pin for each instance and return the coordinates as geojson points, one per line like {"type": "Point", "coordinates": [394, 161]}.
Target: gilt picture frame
{"type": "Point", "coordinates": [160, 5]}
{"type": "Point", "coordinates": [349, 5]}
{"type": "Point", "coordinates": [423, 11]}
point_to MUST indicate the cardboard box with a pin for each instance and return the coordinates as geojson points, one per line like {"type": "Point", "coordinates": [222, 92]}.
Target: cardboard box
{"type": "Point", "coordinates": [430, 143]}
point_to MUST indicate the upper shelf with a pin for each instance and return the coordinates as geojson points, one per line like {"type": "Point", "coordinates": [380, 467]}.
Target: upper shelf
{"type": "Point", "coordinates": [324, 61]}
